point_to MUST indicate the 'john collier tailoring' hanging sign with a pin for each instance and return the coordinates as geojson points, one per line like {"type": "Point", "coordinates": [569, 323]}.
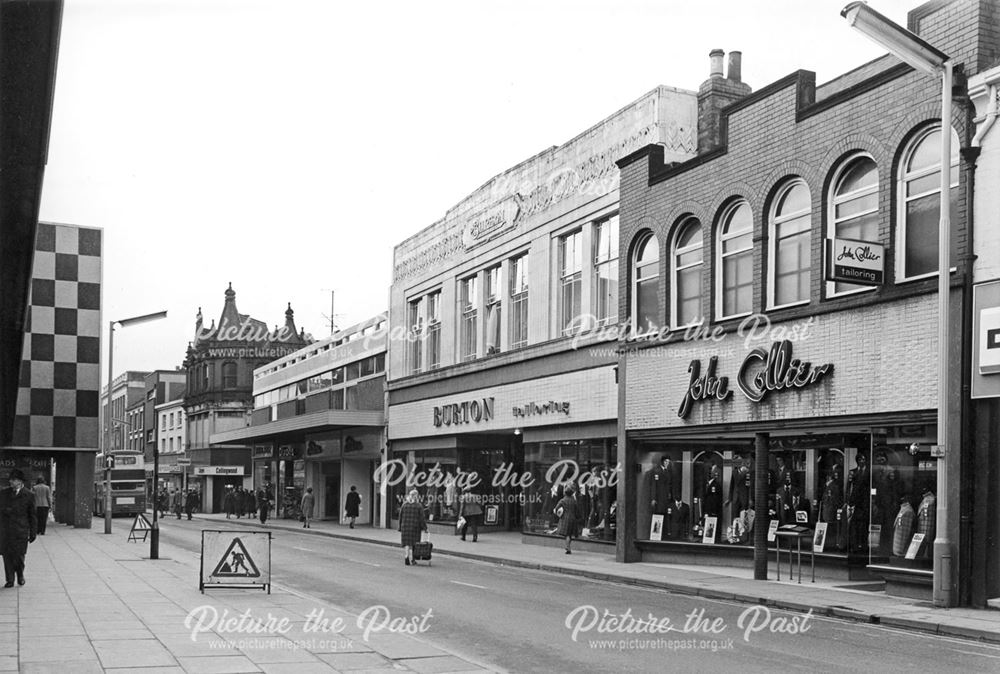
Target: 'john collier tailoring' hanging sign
{"type": "Point", "coordinates": [780, 371]}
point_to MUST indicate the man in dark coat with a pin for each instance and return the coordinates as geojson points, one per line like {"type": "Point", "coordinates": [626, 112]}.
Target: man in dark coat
{"type": "Point", "coordinates": [17, 526]}
{"type": "Point", "coordinates": [190, 502]}
{"type": "Point", "coordinates": [264, 497]}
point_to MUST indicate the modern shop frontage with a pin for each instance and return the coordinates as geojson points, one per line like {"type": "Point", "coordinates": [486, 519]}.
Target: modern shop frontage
{"type": "Point", "coordinates": [847, 426]}
{"type": "Point", "coordinates": [516, 446]}
{"type": "Point", "coordinates": [330, 461]}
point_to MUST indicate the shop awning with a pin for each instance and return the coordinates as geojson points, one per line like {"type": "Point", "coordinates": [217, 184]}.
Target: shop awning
{"type": "Point", "coordinates": [317, 421]}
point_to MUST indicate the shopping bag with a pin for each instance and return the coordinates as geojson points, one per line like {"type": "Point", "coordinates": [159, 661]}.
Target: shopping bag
{"type": "Point", "coordinates": [460, 524]}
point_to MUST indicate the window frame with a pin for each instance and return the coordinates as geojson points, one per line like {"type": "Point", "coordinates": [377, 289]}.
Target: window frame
{"type": "Point", "coordinates": [517, 296]}
{"type": "Point", "coordinates": [233, 375]}
{"type": "Point", "coordinates": [572, 279]}
{"type": "Point", "coordinates": [835, 200]}
{"type": "Point", "coordinates": [721, 255]}
{"type": "Point", "coordinates": [685, 224]}
{"type": "Point", "coordinates": [414, 335]}
{"type": "Point", "coordinates": [493, 287]}
{"type": "Point", "coordinates": [902, 178]}
{"type": "Point", "coordinates": [468, 311]}
{"type": "Point", "coordinates": [636, 280]}
{"type": "Point", "coordinates": [611, 261]}
{"type": "Point", "coordinates": [432, 330]}
{"type": "Point", "coordinates": [773, 220]}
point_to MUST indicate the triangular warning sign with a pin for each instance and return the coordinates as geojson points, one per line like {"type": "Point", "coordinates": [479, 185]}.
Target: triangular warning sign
{"type": "Point", "coordinates": [236, 562]}
{"type": "Point", "coordinates": [141, 523]}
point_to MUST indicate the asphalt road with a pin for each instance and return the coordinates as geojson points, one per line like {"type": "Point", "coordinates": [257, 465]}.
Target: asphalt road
{"type": "Point", "coordinates": [525, 621]}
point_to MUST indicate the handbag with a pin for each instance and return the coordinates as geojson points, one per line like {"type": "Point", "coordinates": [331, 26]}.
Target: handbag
{"type": "Point", "coordinates": [460, 524]}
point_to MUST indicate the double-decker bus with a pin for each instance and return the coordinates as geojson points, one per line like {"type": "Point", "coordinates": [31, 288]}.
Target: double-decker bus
{"type": "Point", "coordinates": [128, 484]}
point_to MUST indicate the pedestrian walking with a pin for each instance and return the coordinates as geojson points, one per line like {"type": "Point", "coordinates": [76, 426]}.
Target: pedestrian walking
{"type": "Point", "coordinates": [353, 505]}
{"type": "Point", "coordinates": [241, 502]}
{"type": "Point", "coordinates": [411, 524]}
{"type": "Point", "coordinates": [229, 503]}
{"type": "Point", "coordinates": [162, 501]}
{"type": "Point", "coordinates": [43, 502]}
{"type": "Point", "coordinates": [306, 506]}
{"type": "Point", "coordinates": [17, 526]}
{"type": "Point", "coordinates": [251, 503]}
{"type": "Point", "coordinates": [264, 501]}
{"type": "Point", "coordinates": [176, 502]}
{"type": "Point", "coordinates": [470, 508]}
{"type": "Point", "coordinates": [190, 502]}
{"type": "Point", "coordinates": [568, 512]}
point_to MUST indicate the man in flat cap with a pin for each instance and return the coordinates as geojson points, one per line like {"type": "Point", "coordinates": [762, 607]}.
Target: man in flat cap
{"type": "Point", "coordinates": [17, 526]}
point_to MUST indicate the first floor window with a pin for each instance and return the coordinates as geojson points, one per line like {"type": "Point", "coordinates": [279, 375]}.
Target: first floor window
{"type": "Point", "coordinates": [645, 276]}
{"type": "Point", "coordinates": [469, 311]}
{"type": "Point", "coordinates": [687, 266]}
{"type": "Point", "coordinates": [494, 294]}
{"type": "Point", "coordinates": [920, 185]}
{"type": "Point", "coordinates": [570, 281]}
{"type": "Point", "coordinates": [519, 302]}
{"type": "Point", "coordinates": [606, 270]}
{"type": "Point", "coordinates": [433, 330]}
{"type": "Point", "coordinates": [736, 261]}
{"type": "Point", "coordinates": [789, 248]}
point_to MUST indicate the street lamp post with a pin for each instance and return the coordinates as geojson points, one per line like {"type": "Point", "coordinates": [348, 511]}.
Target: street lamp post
{"type": "Point", "coordinates": [154, 534]}
{"type": "Point", "coordinates": [926, 58]}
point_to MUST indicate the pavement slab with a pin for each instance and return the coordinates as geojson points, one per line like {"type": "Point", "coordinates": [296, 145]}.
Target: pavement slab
{"type": "Point", "coordinates": [346, 662]}
{"type": "Point", "coordinates": [229, 664]}
{"type": "Point", "coordinates": [137, 653]}
{"type": "Point", "coordinates": [435, 665]}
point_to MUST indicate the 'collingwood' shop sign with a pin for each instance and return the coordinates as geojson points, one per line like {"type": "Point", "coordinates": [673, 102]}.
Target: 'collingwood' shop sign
{"type": "Point", "coordinates": [541, 408]}
{"type": "Point", "coordinates": [780, 371]}
{"type": "Point", "coordinates": [466, 412]}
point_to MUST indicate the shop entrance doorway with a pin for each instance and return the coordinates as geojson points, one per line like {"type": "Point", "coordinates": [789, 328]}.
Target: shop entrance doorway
{"type": "Point", "coordinates": [331, 490]}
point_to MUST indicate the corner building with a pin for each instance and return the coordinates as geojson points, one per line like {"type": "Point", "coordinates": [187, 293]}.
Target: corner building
{"type": "Point", "coordinates": [504, 313]}
{"type": "Point", "coordinates": [745, 343]}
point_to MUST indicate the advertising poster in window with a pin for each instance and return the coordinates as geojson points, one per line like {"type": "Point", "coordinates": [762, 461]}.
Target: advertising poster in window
{"type": "Point", "coordinates": [819, 540]}
{"type": "Point", "coordinates": [656, 528]}
{"type": "Point", "coordinates": [710, 525]}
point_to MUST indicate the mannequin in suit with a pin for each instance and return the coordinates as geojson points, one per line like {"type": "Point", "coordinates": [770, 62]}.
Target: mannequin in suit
{"type": "Point", "coordinates": [678, 520]}
{"type": "Point", "coordinates": [661, 481]}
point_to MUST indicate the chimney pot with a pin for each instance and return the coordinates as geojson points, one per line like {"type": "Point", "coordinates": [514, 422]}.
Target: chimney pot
{"type": "Point", "coordinates": [715, 57]}
{"type": "Point", "coordinates": [735, 66]}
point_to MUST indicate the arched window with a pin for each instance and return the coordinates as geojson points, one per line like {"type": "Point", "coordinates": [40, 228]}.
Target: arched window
{"type": "Point", "coordinates": [788, 245]}
{"type": "Point", "coordinates": [686, 264]}
{"type": "Point", "coordinates": [645, 275]}
{"type": "Point", "coordinates": [854, 208]}
{"type": "Point", "coordinates": [734, 271]}
{"type": "Point", "coordinates": [920, 190]}
{"type": "Point", "coordinates": [229, 375]}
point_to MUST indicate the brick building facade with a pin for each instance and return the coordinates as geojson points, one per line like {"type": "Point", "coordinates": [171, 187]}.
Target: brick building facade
{"type": "Point", "coordinates": [501, 360]}
{"type": "Point", "coordinates": [742, 237]}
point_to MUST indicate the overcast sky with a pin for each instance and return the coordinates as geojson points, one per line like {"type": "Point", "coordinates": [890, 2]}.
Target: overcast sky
{"type": "Point", "coordinates": [287, 145]}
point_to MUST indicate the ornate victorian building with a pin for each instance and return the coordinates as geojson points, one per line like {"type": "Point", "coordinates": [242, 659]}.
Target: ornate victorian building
{"type": "Point", "coordinates": [219, 397]}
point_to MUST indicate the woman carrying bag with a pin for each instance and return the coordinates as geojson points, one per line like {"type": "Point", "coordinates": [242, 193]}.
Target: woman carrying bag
{"type": "Point", "coordinates": [568, 513]}
{"type": "Point", "coordinates": [469, 509]}
{"type": "Point", "coordinates": [411, 524]}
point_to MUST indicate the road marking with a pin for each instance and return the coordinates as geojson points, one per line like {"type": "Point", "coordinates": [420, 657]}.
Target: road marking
{"type": "Point", "coordinates": [458, 582]}
{"type": "Point", "coordinates": [983, 655]}
{"type": "Point", "coordinates": [303, 549]}
{"type": "Point", "coordinates": [358, 561]}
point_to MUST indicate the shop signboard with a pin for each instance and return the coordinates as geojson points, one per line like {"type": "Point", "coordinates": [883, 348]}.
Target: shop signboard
{"type": "Point", "coordinates": [986, 340]}
{"type": "Point", "coordinates": [858, 262]}
{"type": "Point", "coordinates": [218, 470]}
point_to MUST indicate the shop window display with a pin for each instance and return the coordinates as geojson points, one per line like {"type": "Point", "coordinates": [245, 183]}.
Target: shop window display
{"type": "Point", "coordinates": [591, 467]}
{"type": "Point", "coordinates": [903, 502]}
{"type": "Point", "coordinates": [444, 473]}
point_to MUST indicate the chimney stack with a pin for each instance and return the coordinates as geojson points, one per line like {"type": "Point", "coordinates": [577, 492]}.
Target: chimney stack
{"type": "Point", "coordinates": [715, 58]}
{"type": "Point", "coordinates": [716, 93]}
{"type": "Point", "coordinates": [735, 66]}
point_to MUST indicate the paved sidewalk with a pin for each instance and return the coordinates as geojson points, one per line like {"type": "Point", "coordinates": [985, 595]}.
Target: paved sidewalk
{"type": "Point", "coordinates": [736, 584]}
{"type": "Point", "coordinates": [93, 603]}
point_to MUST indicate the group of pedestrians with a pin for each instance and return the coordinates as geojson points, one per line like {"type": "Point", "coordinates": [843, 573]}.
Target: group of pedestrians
{"type": "Point", "coordinates": [184, 502]}
{"type": "Point", "coordinates": [240, 502]}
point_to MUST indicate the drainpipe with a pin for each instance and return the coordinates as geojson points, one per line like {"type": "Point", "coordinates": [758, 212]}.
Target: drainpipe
{"type": "Point", "coordinates": [989, 119]}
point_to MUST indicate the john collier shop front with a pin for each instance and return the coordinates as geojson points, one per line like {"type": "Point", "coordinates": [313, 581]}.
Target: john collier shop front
{"type": "Point", "coordinates": [518, 446]}
{"type": "Point", "coordinates": [845, 414]}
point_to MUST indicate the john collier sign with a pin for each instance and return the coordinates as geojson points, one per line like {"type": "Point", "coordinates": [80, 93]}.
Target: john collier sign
{"type": "Point", "coordinates": [762, 371]}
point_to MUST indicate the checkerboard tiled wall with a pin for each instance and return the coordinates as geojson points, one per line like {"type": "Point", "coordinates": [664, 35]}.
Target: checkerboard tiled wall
{"type": "Point", "coordinates": [59, 389]}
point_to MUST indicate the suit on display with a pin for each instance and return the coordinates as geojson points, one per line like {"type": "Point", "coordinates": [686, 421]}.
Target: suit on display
{"type": "Point", "coordinates": [660, 482]}
{"type": "Point", "coordinates": [678, 520]}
